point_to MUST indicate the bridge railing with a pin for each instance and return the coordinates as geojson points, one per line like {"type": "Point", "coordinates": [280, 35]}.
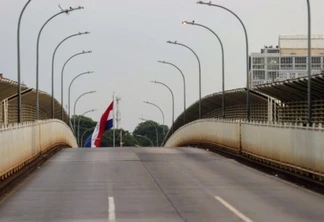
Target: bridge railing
{"type": "Point", "coordinates": [22, 143]}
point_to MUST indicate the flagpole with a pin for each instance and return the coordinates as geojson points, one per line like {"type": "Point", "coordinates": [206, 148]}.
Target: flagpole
{"type": "Point", "coordinates": [114, 141]}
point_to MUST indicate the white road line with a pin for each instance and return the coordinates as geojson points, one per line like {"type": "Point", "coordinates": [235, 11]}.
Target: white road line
{"type": "Point", "coordinates": [235, 211]}
{"type": "Point", "coordinates": [111, 209]}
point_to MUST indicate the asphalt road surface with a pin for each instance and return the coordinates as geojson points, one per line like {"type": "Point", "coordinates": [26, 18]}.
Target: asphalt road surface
{"type": "Point", "coordinates": [155, 184]}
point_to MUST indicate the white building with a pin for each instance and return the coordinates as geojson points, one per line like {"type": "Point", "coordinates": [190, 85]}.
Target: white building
{"type": "Point", "coordinates": [287, 60]}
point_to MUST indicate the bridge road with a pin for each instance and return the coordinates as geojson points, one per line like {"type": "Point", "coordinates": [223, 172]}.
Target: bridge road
{"type": "Point", "coordinates": [155, 184]}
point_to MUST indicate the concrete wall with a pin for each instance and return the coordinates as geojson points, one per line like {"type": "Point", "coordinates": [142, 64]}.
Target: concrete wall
{"type": "Point", "coordinates": [20, 143]}
{"type": "Point", "coordinates": [292, 146]}
{"type": "Point", "coordinates": [212, 131]}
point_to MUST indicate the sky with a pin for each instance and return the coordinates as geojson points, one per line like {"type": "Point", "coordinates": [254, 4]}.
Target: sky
{"type": "Point", "coordinates": [128, 38]}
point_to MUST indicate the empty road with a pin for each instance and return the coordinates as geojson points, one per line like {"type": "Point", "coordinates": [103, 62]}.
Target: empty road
{"type": "Point", "coordinates": [155, 184]}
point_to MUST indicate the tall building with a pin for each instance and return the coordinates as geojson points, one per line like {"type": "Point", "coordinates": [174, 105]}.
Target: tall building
{"type": "Point", "coordinates": [287, 60]}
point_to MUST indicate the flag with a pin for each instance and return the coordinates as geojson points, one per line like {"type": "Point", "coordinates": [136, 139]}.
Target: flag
{"type": "Point", "coordinates": [105, 123]}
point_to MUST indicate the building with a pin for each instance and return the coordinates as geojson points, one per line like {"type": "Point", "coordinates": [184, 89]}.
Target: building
{"type": "Point", "coordinates": [287, 60]}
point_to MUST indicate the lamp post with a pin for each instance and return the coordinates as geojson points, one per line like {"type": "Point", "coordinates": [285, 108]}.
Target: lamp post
{"type": "Point", "coordinates": [81, 144]}
{"type": "Point", "coordinates": [248, 102]}
{"type": "Point", "coordinates": [177, 43]}
{"type": "Point", "coordinates": [69, 93]}
{"type": "Point", "coordinates": [18, 62]}
{"type": "Point", "coordinates": [223, 61]}
{"type": "Point", "coordinates": [184, 87]}
{"type": "Point", "coordinates": [37, 53]}
{"type": "Point", "coordinates": [161, 113]}
{"type": "Point", "coordinates": [156, 130]}
{"type": "Point", "coordinates": [172, 99]}
{"type": "Point", "coordinates": [145, 137]}
{"type": "Point", "coordinates": [75, 103]}
{"type": "Point", "coordinates": [309, 65]}
{"type": "Point", "coordinates": [79, 120]}
{"type": "Point", "coordinates": [62, 76]}
{"type": "Point", "coordinates": [53, 58]}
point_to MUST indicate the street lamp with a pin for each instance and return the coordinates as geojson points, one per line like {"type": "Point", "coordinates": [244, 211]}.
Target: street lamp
{"type": "Point", "coordinates": [79, 120]}
{"type": "Point", "coordinates": [172, 100]}
{"type": "Point", "coordinates": [161, 113]}
{"type": "Point", "coordinates": [37, 53]}
{"type": "Point", "coordinates": [145, 137]}
{"type": "Point", "coordinates": [53, 58]}
{"type": "Point", "coordinates": [62, 77]}
{"type": "Point", "coordinates": [18, 62]}
{"type": "Point", "coordinates": [156, 130]}
{"type": "Point", "coordinates": [69, 93]}
{"type": "Point", "coordinates": [309, 65]}
{"type": "Point", "coordinates": [184, 87]}
{"type": "Point", "coordinates": [223, 60]}
{"type": "Point", "coordinates": [248, 102]}
{"type": "Point", "coordinates": [75, 103]}
{"type": "Point", "coordinates": [177, 43]}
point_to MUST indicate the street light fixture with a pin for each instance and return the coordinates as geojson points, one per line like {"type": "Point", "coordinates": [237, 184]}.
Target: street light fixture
{"type": "Point", "coordinates": [248, 102]}
{"type": "Point", "coordinates": [75, 103]}
{"type": "Point", "coordinates": [53, 58]}
{"type": "Point", "coordinates": [223, 60]}
{"type": "Point", "coordinates": [184, 87]}
{"type": "Point", "coordinates": [18, 62]}
{"type": "Point", "coordinates": [69, 93]}
{"type": "Point", "coordinates": [81, 144]}
{"type": "Point", "coordinates": [172, 95]}
{"type": "Point", "coordinates": [62, 76]}
{"type": "Point", "coordinates": [309, 64]}
{"type": "Point", "coordinates": [79, 120]}
{"type": "Point", "coordinates": [161, 113]}
{"type": "Point", "coordinates": [156, 130]}
{"type": "Point", "coordinates": [177, 43]}
{"type": "Point", "coordinates": [37, 53]}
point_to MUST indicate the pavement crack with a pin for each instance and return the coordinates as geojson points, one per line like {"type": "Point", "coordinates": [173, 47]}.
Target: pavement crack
{"type": "Point", "coordinates": [161, 189]}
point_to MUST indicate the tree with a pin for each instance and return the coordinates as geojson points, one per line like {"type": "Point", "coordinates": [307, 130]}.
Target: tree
{"type": "Point", "coordinates": [148, 130]}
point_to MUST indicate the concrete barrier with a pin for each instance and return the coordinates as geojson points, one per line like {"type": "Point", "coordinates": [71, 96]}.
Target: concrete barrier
{"type": "Point", "coordinates": [223, 133]}
{"type": "Point", "coordinates": [21, 143]}
{"type": "Point", "coordinates": [291, 147]}
{"type": "Point", "coordinates": [297, 146]}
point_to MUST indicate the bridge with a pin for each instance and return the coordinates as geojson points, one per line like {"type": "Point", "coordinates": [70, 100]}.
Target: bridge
{"type": "Point", "coordinates": [196, 176]}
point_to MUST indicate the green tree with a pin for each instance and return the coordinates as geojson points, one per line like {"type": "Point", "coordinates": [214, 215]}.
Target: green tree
{"type": "Point", "coordinates": [148, 130]}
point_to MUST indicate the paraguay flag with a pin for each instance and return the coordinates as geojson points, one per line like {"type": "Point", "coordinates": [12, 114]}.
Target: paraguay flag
{"type": "Point", "coordinates": [105, 123]}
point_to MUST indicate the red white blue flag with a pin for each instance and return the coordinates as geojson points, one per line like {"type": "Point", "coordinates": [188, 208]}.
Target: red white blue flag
{"type": "Point", "coordinates": [105, 123]}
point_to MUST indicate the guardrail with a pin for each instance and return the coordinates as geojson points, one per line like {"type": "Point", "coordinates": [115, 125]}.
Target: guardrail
{"type": "Point", "coordinates": [22, 143]}
{"type": "Point", "coordinates": [290, 147]}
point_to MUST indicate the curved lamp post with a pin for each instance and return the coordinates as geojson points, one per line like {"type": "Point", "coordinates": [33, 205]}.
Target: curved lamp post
{"type": "Point", "coordinates": [248, 102]}
{"type": "Point", "coordinates": [79, 120]}
{"type": "Point", "coordinates": [184, 86]}
{"type": "Point", "coordinates": [172, 99]}
{"type": "Point", "coordinates": [75, 103]}
{"type": "Point", "coordinates": [37, 53]}
{"type": "Point", "coordinates": [223, 60]}
{"type": "Point", "coordinates": [62, 76]}
{"type": "Point", "coordinates": [177, 43]}
{"type": "Point", "coordinates": [69, 93]}
{"type": "Point", "coordinates": [145, 137]}
{"type": "Point", "coordinates": [161, 113]}
{"type": "Point", "coordinates": [18, 62]}
{"type": "Point", "coordinates": [309, 65]}
{"type": "Point", "coordinates": [156, 130]}
{"type": "Point", "coordinates": [81, 144]}
{"type": "Point", "coordinates": [53, 58]}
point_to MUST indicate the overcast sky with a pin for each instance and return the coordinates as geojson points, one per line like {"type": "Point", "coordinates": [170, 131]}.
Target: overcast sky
{"type": "Point", "coordinates": [129, 36]}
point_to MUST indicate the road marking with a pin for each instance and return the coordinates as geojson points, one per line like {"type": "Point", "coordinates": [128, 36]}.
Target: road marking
{"type": "Point", "coordinates": [111, 209]}
{"type": "Point", "coordinates": [235, 211]}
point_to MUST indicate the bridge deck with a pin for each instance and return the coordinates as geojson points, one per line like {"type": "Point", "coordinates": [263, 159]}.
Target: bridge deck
{"type": "Point", "coordinates": [155, 184]}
